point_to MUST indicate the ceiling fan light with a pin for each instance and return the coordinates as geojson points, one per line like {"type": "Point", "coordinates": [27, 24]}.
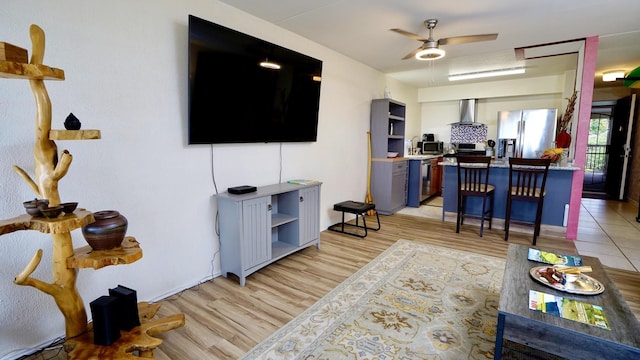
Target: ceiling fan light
{"type": "Point", "coordinates": [270, 64]}
{"type": "Point", "coordinates": [612, 75]}
{"type": "Point", "coordinates": [430, 54]}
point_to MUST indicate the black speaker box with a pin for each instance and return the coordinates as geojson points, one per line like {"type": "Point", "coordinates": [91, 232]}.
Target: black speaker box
{"type": "Point", "coordinates": [106, 327]}
{"type": "Point", "coordinates": [127, 307]}
{"type": "Point", "coordinates": [244, 189]}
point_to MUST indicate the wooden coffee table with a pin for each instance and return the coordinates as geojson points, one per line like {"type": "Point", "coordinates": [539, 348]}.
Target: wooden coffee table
{"type": "Point", "coordinates": [558, 336]}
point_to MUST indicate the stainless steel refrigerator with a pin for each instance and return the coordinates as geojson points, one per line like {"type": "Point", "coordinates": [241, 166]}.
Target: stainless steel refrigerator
{"type": "Point", "coordinates": [526, 133]}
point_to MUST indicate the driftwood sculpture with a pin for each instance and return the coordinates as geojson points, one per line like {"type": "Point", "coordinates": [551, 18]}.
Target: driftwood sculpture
{"type": "Point", "coordinates": [49, 170]}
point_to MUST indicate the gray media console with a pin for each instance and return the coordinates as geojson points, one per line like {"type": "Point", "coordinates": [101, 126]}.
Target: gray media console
{"type": "Point", "coordinates": [264, 226]}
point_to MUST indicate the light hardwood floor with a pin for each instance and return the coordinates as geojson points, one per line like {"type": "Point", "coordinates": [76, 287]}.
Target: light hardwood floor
{"type": "Point", "coordinates": [224, 320]}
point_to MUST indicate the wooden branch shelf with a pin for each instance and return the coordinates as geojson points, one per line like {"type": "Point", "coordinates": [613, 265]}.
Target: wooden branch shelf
{"type": "Point", "coordinates": [86, 257]}
{"type": "Point", "coordinates": [139, 339]}
{"type": "Point", "coordinates": [60, 225]}
{"type": "Point", "coordinates": [74, 134]}
{"type": "Point", "coordinates": [49, 170]}
{"type": "Point", "coordinates": [15, 70]}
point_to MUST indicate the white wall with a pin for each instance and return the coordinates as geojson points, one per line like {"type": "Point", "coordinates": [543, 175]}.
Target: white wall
{"type": "Point", "coordinates": [440, 105]}
{"type": "Point", "coordinates": [126, 64]}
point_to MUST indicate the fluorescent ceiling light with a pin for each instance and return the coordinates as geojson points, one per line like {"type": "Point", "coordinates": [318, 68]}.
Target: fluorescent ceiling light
{"type": "Point", "coordinates": [483, 74]}
{"type": "Point", "coordinates": [270, 64]}
{"type": "Point", "coordinates": [429, 54]}
{"type": "Point", "coordinates": [612, 75]}
{"type": "Point", "coordinates": [550, 49]}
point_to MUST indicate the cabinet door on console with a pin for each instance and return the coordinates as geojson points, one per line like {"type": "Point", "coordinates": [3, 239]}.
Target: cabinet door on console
{"type": "Point", "coordinates": [256, 231]}
{"type": "Point", "coordinates": [309, 214]}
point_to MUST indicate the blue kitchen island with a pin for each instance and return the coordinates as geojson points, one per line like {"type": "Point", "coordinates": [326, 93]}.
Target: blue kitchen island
{"type": "Point", "coordinates": [558, 196]}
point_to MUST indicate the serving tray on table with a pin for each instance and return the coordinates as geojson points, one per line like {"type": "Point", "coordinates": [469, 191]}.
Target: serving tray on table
{"type": "Point", "coordinates": [583, 285]}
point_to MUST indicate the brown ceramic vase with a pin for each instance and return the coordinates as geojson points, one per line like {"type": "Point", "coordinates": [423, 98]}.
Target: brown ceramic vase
{"type": "Point", "coordinates": [107, 232]}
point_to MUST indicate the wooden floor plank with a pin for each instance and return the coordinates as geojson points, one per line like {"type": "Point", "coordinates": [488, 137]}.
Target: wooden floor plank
{"type": "Point", "coordinates": [224, 320]}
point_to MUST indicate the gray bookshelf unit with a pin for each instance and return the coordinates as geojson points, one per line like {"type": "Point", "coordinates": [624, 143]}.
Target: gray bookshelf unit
{"type": "Point", "coordinates": [387, 127]}
{"type": "Point", "coordinates": [264, 226]}
{"type": "Point", "coordinates": [389, 176]}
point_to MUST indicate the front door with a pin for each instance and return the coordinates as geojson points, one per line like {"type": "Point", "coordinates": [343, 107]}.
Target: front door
{"type": "Point", "coordinates": [595, 167]}
{"type": "Point", "coordinates": [620, 148]}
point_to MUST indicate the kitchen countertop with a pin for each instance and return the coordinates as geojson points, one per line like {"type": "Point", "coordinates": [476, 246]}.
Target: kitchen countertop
{"type": "Point", "coordinates": [423, 157]}
{"type": "Point", "coordinates": [558, 188]}
{"type": "Point", "coordinates": [505, 164]}
{"type": "Point", "coordinates": [409, 157]}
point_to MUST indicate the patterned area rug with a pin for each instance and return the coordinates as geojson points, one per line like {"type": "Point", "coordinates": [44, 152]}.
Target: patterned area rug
{"type": "Point", "coordinates": [414, 301]}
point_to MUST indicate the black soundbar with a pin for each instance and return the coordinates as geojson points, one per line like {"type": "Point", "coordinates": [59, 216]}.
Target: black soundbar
{"type": "Point", "coordinates": [243, 189]}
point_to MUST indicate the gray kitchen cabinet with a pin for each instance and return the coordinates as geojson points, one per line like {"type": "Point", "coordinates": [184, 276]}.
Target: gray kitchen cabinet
{"type": "Point", "coordinates": [388, 176]}
{"type": "Point", "coordinates": [389, 184]}
{"type": "Point", "coordinates": [264, 226]}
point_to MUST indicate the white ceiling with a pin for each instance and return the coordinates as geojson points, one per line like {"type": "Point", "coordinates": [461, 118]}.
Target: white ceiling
{"type": "Point", "coordinates": [359, 29]}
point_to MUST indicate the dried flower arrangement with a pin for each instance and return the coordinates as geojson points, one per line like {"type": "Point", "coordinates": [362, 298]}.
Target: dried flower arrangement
{"type": "Point", "coordinates": [563, 138]}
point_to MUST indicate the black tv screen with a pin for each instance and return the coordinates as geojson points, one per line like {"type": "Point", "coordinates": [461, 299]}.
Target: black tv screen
{"type": "Point", "coordinates": [233, 99]}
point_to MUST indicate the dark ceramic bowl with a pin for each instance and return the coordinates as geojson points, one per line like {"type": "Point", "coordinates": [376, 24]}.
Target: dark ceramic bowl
{"type": "Point", "coordinates": [51, 212]}
{"type": "Point", "coordinates": [32, 207]}
{"type": "Point", "coordinates": [30, 203]}
{"type": "Point", "coordinates": [33, 210]}
{"type": "Point", "coordinates": [68, 207]}
{"type": "Point", "coordinates": [36, 203]}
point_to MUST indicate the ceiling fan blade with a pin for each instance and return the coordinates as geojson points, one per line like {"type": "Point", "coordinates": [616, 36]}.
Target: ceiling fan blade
{"type": "Point", "coordinates": [409, 34]}
{"type": "Point", "coordinates": [412, 54]}
{"type": "Point", "coordinates": [466, 39]}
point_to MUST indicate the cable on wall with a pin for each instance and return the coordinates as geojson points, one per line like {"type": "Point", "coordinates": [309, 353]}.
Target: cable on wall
{"type": "Point", "coordinates": [216, 223]}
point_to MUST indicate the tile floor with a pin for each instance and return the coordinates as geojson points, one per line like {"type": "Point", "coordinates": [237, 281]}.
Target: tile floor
{"type": "Point", "coordinates": [607, 229]}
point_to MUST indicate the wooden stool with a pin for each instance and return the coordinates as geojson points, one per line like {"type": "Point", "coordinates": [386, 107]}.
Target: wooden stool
{"type": "Point", "coordinates": [527, 181]}
{"type": "Point", "coordinates": [359, 209]}
{"type": "Point", "coordinates": [473, 180]}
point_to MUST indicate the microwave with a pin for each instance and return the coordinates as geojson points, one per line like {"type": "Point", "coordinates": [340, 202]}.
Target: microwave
{"type": "Point", "coordinates": [432, 147]}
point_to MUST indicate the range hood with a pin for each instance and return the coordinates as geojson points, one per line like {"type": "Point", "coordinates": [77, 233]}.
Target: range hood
{"type": "Point", "coordinates": [468, 113]}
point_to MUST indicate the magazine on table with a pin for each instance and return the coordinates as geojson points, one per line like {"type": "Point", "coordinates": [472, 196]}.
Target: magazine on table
{"type": "Point", "coordinates": [570, 309]}
{"type": "Point", "coordinates": [553, 258]}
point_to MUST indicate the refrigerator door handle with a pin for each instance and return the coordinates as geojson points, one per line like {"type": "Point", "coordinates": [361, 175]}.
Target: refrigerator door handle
{"type": "Point", "coordinates": [520, 140]}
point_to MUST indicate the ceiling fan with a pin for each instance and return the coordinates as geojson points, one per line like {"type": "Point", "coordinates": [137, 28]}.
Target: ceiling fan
{"type": "Point", "coordinates": [430, 48]}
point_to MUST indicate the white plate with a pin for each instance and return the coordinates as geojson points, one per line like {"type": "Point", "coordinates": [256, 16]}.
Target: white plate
{"type": "Point", "coordinates": [584, 285]}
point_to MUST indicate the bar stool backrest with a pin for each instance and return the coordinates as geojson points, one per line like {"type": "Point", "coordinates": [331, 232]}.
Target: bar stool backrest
{"type": "Point", "coordinates": [528, 178]}
{"type": "Point", "coordinates": [473, 174]}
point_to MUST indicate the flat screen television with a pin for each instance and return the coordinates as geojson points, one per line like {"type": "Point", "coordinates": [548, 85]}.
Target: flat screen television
{"type": "Point", "coordinates": [233, 99]}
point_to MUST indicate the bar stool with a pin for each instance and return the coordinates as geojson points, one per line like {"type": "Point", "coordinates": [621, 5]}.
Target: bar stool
{"type": "Point", "coordinates": [527, 180]}
{"type": "Point", "coordinates": [473, 180]}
